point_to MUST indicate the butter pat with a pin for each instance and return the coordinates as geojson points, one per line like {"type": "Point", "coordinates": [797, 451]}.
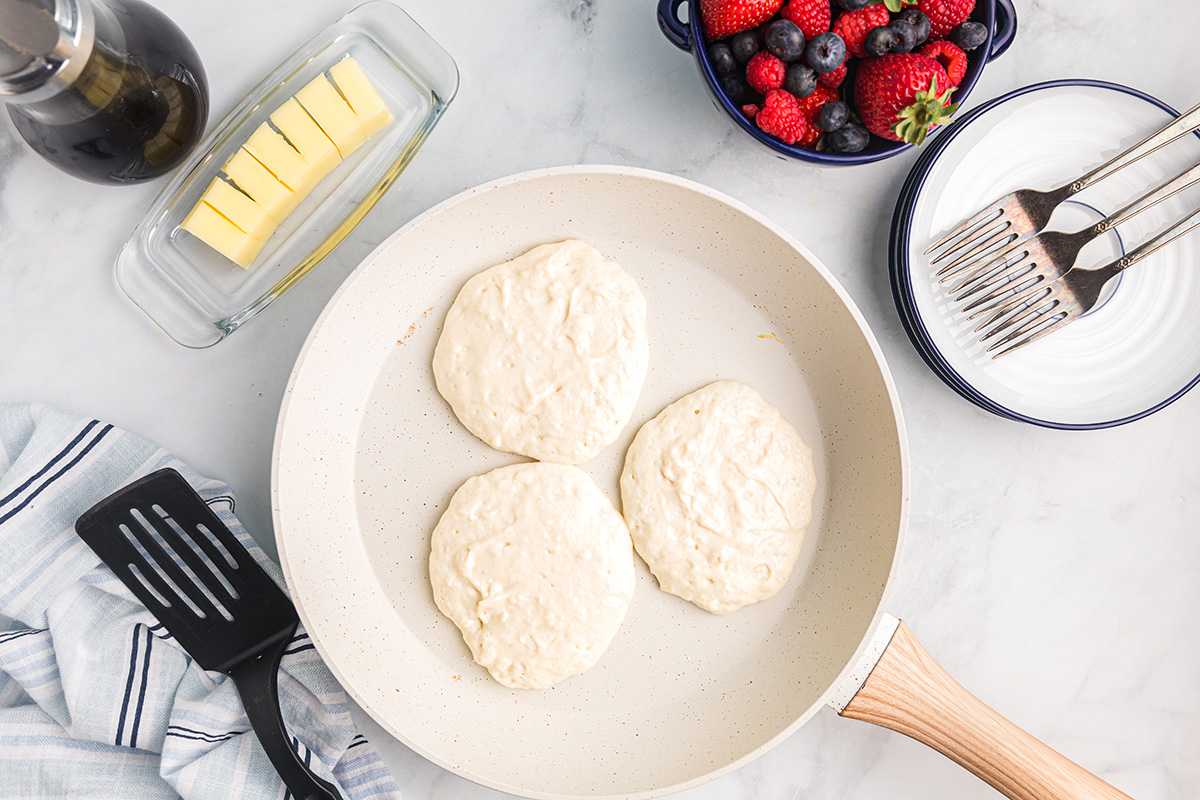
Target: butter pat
{"type": "Point", "coordinates": [283, 160]}
{"type": "Point", "coordinates": [327, 107]}
{"type": "Point", "coordinates": [239, 209]}
{"type": "Point", "coordinates": [308, 138]}
{"type": "Point", "coordinates": [257, 181]}
{"type": "Point", "coordinates": [366, 103]}
{"type": "Point", "coordinates": [207, 225]}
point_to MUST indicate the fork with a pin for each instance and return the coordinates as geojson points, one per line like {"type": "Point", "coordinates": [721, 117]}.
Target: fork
{"type": "Point", "coordinates": [1018, 271]}
{"type": "Point", "coordinates": [1067, 299]}
{"type": "Point", "coordinates": [1019, 215]}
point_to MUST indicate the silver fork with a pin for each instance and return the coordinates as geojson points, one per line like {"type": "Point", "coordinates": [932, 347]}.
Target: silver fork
{"type": "Point", "coordinates": [1067, 299]}
{"type": "Point", "coordinates": [1022, 214]}
{"type": "Point", "coordinates": [1018, 272]}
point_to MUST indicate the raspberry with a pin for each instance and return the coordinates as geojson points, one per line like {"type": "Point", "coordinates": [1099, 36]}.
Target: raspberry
{"type": "Point", "coordinates": [781, 117]}
{"type": "Point", "coordinates": [750, 110]}
{"type": "Point", "coordinates": [833, 79]}
{"type": "Point", "coordinates": [765, 72]}
{"type": "Point", "coordinates": [949, 56]}
{"type": "Point", "coordinates": [853, 26]}
{"type": "Point", "coordinates": [811, 16]}
{"type": "Point", "coordinates": [945, 14]}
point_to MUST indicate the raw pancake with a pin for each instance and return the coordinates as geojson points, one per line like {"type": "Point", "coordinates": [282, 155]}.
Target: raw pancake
{"type": "Point", "coordinates": [717, 492]}
{"type": "Point", "coordinates": [545, 355]}
{"type": "Point", "coordinates": [535, 567]}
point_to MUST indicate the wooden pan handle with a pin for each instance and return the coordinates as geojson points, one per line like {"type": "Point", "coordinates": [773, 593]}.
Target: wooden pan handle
{"type": "Point", "coordinates": [908, 692]}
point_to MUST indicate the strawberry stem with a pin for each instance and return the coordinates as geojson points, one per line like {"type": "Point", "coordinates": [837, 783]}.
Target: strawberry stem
{"type": "Point", "coordinates": [928, 110]}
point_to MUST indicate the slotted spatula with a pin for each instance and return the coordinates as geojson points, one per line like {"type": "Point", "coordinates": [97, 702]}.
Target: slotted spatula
{"type": "Point", "coordinates": [164, 542]}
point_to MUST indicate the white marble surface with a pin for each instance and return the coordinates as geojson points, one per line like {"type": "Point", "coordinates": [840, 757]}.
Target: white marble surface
{"type": "Point", "coordinates": [1055, 574]}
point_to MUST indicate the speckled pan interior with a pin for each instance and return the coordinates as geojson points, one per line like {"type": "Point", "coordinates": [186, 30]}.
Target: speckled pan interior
{"type": "Point", "coordinates": [367, 455]}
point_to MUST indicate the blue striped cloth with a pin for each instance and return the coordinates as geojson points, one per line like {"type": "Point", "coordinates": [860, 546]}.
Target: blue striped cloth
{"type": "Point", "coordinates": [96, 699]}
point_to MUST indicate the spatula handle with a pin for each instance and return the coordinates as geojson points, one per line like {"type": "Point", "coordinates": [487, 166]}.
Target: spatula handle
{"type": "Point", "coordinates": [908, 692]}
{"type": "Point", "coordinates": [257, 682]}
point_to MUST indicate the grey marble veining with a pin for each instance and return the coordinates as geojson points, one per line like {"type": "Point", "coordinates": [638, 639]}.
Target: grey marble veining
{"type": "Point", "coordinates": [1057, 575]}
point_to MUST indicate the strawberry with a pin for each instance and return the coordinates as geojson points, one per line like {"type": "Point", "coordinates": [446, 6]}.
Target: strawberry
{"type": "Point", "coordinates": [811, 106]}
{"type": "Point", "coordinates": [780, 116]}
{"type": "Point", "coordinates": [949, 56]}
{"type": "Point", "coordinates": [945, 14]}
{"type": "Point", "coordinates": [853, 26]}
{"type": "Point", "coordinates": [765, 72]}
{"type": "Point", "coordinates": [723, 18]}
{"type": "Point", "coordinates": [898, 98]}
{"type": "Point", "coordinates": [811, 16]}
{"type": "Point", "coordinates": [811, 134]}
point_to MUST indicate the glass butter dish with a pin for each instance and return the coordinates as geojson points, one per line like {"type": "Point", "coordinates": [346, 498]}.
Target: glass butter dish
{"type": "Point", "coordinates": [196, 295]}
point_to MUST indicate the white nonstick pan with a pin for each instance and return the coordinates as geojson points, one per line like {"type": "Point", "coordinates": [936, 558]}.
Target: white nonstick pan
{"type": "Point", "coordinates": [367, 455]}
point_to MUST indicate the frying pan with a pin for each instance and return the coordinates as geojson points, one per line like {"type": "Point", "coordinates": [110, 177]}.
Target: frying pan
{"type": "Point", "coordinates": [367, 455]}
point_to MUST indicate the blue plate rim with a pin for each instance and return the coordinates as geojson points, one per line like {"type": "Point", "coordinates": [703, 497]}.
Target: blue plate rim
{"type": "Point", "coordinates": [905, 300]}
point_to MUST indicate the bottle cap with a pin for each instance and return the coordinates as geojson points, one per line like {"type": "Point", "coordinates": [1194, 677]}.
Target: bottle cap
{"type": "Point", "coordinates": [44, 45]}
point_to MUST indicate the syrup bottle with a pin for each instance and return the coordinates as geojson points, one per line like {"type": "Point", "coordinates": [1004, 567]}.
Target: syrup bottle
{"type": "Point", "coordinates": [110, 91]}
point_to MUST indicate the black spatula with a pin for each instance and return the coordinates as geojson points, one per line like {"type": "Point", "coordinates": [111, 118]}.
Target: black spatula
{"type": "Point", "coordinates": [164, 542]}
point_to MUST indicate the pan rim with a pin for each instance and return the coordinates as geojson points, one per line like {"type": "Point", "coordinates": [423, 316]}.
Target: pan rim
{"type": "Point", "coordinates": [860, 321]}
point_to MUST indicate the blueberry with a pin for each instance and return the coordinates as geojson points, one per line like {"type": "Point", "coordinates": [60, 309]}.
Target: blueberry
{"type": "Point", "coordinates": [800, 80]}
{"type": "Point", "coordinates": [833, 115]}
{"type": "Point", "coordinates": [744, 45]}
{"type": "Point", "coordinates": [784, 40]}
{"type": "Point", "coordinates": [722, 59]}
{"type": "Point", "coordinates": [854, 5]}
{"type": "Point", "coordinates": [919, 21]}
{"type": "Point", "coordinates": [879, 41]}
{"type": "Point", "coordinates": [904, 36]}
{"type": "Point", "coordinates": [969, 35]}
{"type": "Point", "coordinates": [825, 52]}
{"type": "Point", "coordinates": [739, 91]}
{"type": "Point", "coordinates": [850, 138]}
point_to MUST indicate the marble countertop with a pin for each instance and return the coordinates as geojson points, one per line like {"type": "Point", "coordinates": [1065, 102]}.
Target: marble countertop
{"type": "Point", "coordinates": [1057, 575]}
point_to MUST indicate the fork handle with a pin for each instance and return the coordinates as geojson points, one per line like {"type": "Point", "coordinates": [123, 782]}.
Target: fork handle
{"type": "Point", "coordinates": [1184, 226]}
{"type": "Point", "coordinates": [1148, 200]}
{"type": "Point", "coordinates": [257, 682]}
{"type": "Point", "coordinates": [1182, 125]}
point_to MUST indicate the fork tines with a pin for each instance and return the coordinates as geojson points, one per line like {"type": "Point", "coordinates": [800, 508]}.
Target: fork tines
{"type": "Point", "coordinates": [964, 241]}
{"type": "Point", "coordinates": [1020, 323]}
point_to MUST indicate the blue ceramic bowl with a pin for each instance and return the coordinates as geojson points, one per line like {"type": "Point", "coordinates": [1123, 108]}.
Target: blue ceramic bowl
{"type": "Point", "coordinates": [998, 16]}
{"type": "Point", "coordinates": [947, 362]}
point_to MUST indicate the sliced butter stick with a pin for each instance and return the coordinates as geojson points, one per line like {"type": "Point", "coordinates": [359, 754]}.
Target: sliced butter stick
{"type": "Point", "coordinates": [366, 103]}
{"type": "Point", "coordinates": [326, 106]}
{"type": "Point", "coordinates": [239, 209]}
{"type": "Point", "coordinates": [207, 225]}
{"type": "Point", "coordinates": [283, 160]}
{"type": "Point", "coordinates": [308, 138]}
{"type": "Point", "coordinates": [257, 181]}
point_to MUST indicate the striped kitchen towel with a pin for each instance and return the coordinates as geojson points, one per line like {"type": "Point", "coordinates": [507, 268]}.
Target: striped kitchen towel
{"type": "Point", "coordinates": [96, 699]}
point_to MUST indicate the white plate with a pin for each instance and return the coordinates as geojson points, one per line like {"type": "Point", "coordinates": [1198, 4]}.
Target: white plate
{"type": "Point", "coordinates": [1138, 349]}
{"type": "Point", "coordinates": [367, 455]}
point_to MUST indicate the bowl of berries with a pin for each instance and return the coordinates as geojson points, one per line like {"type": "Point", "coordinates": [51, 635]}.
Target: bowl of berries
{"type": "Point", "coordinates": [839, 82]}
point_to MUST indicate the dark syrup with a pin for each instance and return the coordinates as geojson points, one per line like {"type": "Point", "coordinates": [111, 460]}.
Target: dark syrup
{"type": "Point", "coordinates": [135, 112]}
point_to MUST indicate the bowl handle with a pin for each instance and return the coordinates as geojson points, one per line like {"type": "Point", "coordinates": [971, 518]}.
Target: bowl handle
{"type": "Point", "coordinates": [672, 27]}
{"type": "Point", "coordinates": [908, 692]}
{"type": "Point", "coordinates": [1005, 28]}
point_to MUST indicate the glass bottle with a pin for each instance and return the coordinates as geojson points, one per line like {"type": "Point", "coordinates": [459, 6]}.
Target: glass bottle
{"type": "Point", "coordinates": [110, 91]}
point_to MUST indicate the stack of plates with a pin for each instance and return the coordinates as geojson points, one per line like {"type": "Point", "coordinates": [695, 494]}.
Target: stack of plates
{"type": "Point", "coordinates": [1139, 349]}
